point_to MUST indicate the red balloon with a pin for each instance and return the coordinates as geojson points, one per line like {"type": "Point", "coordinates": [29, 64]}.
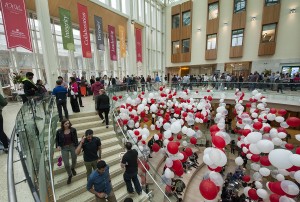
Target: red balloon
{"type": "Point", "coordinates": [217, 169]}
{"type": "Point", "coordinates": [155, 147]}
{"type": "Point", "coordinates": [188, 151]}
{"type": "Point", "coordinates": [143, 114]}
{"type": "Point", "coordinates": [257, 125]}
{"type": "Point", "coordinates": [193, 140]}
{"type": "Point", "coordinates": [293, 168]}
{"type": "Point", "coordinates": [214, 128]}
{"type": "Point", "coordinates": [179, 172]}
{"type": "Point", "coordinates": [208, 189]}
{"type": "Point", "coordinates": [209, 98]}
{"type": "Point", "coordinates": [297, 150]}
{"type": "Point", "coordinates": [172, 147]}
{"type": "Point", "coordinates": [273, 110]}
{"type": "Point", "coordinates": [252, 194]}
{"type": "Point", "coordinates": [246, 132]}
{"type": "Point", "coordinates": [146, 165]}
{"type": "Point", "coordinates": [218, 141]}
{"type": "Point", "coordinates": [274, 198]}
{"type": "Point", "coordinates": [255, 157]}
{"type": "Point", "coordinates": [282, 112]}
{"type": "Point", "coordinates": [143, 179]}
{"type": "Point", "coordinates": [264, 160]}
{"type": "Point", "coordinates": [179, 137]}
{"type": "Point", "coordinates": [184, 114]}
{"type": "Point", "coordinates": [168, 189]}
{"type": "Point", "coordinates": [171, 138]}
{"type": "Point", "coordinates": [293, 121]}
{"type": "Point", "coordinates": [248, 104]}
{"type": "Point", "coordinates": [275, 188]}
{"type": "Point", "coordinates": [177, 165]}
{"type": "Point", "coordinates": [185, 157]}
{"type": "Point", "coordinates": [246, 178]}
{"type": "Point", "coordinates": [146, 119]}
{"type": "Point", "coordinates": [136, 132]}
{"type": "Point", "coordinates": [289, 146]}
{"type": "Point", "coordinates": [267, 129]}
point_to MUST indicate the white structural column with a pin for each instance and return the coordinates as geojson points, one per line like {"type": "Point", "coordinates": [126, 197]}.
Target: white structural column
{"type": "Point", "coordinates": [49, 55]}
{"type": "Point", "coordinates": [132, 68]}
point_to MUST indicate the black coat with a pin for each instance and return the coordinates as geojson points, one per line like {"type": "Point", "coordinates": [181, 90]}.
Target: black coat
{"type": "Point", "coordinates": [60, 137]}
{"type": "Point", "coordinates": [29, 88]}
{"type": "Point", "coordinates": [103, 102]}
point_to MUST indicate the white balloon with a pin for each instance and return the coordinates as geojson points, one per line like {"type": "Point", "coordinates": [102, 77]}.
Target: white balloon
{"type": "Point", "coordinates": [239, 161]}
{"type": "Point", "coordinates": [280, 158]}
{"type": "Point", "coordinates": [156, 137]}
{"type": "Point", "coordinates": [297, 176]}
{"type": "Point", "coordinates": [180, 156]}
{"type": "Point", "coordinates": [169, 173]}
{"type": "Point", "coordinates": [257, 176]}
{"type": "Point", "coordinates": [167, 134]}
{"type": "Point", "coordinates": [289, 187]}
{"type": "Point", "coordinates": [254, 149]}
{"type": "Point", "coordinates": [279, 119]}
{"type": "Point", "coordinates": [262, 193]}
{"type": "Point", "coordinates": [216, 178]}
{"type": "Point", "coordinates": [258, 185]}
{"type": "Point", "coordinates": [286, 199]}
{"type": "Point", "coordinates": [184, 129]}
{"type": "Point", "coordinates": [279, 177]}
{"type": "Point", "coordinates": [254, 137]}
{"type": "Point", "coordinates": [255, 166]}
{"type": "Point", "coordinates": [207, 160]}
{"type": "Point", "coordinates": [246, 189]}
{"type": "Point", "coordinates": [264, 172]}
{"type": "Point", "coordinates": [167, 126]}
{"type": "Point", "coordinates": [166, 141]}
{"type": "Point", "coordinates": [265, 146]}
{"type": "Point", "coordinates": [176, 127]}
{"type": "Point", "coordinates": [295, 159]}
{"type": "Point", "coordinates": [281, 135]}
{"type": "Point", "coordinates": [277, 141]}
{"type": "Point", "coordinates": [283, 172]}
{"type": "Point", "coordinates": [184, 143]}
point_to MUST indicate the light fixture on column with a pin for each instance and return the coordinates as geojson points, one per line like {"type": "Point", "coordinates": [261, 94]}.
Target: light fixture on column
{"type": "Point", "coordinates": [292, 10]}
{"type": "Point", "coordinates": [199, 29]}
{"type": "Point", "coordinates": [132, 21]}
{"type": "Point", "coordinates": [225, 23]}
{"type": "Point", "coordinates": [253, 18]}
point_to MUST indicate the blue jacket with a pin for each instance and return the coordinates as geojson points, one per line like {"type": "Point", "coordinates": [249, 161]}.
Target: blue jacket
{"type": "Point", "coordinates": [100, 182]}
{"type": "Point", "coordinates": [60, 92]}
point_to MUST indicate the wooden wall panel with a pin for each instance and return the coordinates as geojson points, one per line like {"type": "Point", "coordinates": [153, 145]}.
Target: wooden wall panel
{"type": "Point", "coordinates": [175, 34]}
{"type": "Point", "coordinates": [212, 26]}
{"type": "Point", "coordinates": [212, 1]}
{"type": "Point", "coordinates": [176, 9]}
{"type": "Point", "coordinates": [175, 58]}
{"type": "Point", "coordinates": [211, 54]}
{"type": "Point", "coordinates": [236, 51]}
{"type": "Point", "coordinates": [239, 20]}
{"type": "Point", "coordinates": [267, 48]}
{"type": "Point", "coordinates": [186, 6]}
{"type": "Point", "coordinates": [186, 32]}
{"type": "Point", "coordinates": [271, 14]}
{"type": "Point", "coordinates": [186, 57]}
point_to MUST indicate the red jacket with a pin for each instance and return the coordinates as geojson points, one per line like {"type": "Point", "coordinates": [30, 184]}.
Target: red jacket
{"type": "Point", "coordinates": [96, 87]}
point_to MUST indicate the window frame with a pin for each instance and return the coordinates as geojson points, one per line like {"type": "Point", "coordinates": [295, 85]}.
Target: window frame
{"type": "Point", "coordinates": [182, 45]}
{"type": "Point", "coordinates": [208, 13]}
{"type": "Point", "coordinates": [207, 41]}
{"type": "Point", "coordinates": [262, 30]}
{"type": "Point", "coordinates": [271, 2]}
{"type": "Point", "coordinates": [232, 36]}
{"type": "Point", "coordinates": [178, 14]}
{"type": "Point", "coordinates": [235, 2]}
{"type": "Point", "coordinates": [175, 48]}
{"type": "Point", "coordinates": [189, 11]}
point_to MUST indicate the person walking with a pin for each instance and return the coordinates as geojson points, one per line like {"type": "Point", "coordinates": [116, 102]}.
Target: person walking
{"type": "Point", "coordinates": [41, 89]}
{"type": "Point", "coordinates": [64, 84]}
{"type": "Point", "coordinates": [73, 95]}
{"type": "Point", "coordinates": [29, 87]}
{"type": "Point", "coordinates": [129, 162]}
{"type": "Point", "coordinates": [3, 136]}
{"type": "Point", "coordinates": [60, 92]}
{"type": "Point", "coordinates": [232, 146]}
{"type": "Point", "coordinates": [103, 106]}
{"type": "Point", "coordinates": [96, 87]}
{"type": "Point", "coordinates": [91, 147]}
{"type": "Point", "coordinates": [66, 142]}
{"type": "Point", "coordinates": [99, 183]}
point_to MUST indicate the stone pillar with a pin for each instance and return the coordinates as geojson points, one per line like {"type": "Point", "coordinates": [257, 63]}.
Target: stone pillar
{"type": "Point", "coordinates": [49, 55]}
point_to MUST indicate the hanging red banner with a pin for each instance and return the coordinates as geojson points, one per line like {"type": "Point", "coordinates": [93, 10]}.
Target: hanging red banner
{"type": "Point", "coordinates": [138, 42]}
{"type": "Point", "coordinates": [112, 42]}
{"type": "Point", "coordinates": [15, 24]}
{"type": "Point", "coordinates": [84, 30]}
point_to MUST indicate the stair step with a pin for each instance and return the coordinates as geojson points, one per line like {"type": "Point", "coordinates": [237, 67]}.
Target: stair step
{"type": "Point", "coordinates": [110, 155]}
{"type": "Point", "coordinates": [97, 129]}
{"type": "Point", "coordinates": [81, 115]}
{"type": "Point", "coordinates": [87, 125]}
{"type": "Point", "coordinates": [84, 197]}
{"type": "Point", "coordinates": [85, 119]}
{"type": "Point", "coordinates": [121, 194]}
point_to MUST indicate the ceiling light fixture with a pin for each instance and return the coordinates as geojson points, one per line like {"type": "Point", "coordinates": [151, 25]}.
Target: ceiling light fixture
{"type": "Point", "coordinates": [293, 10]}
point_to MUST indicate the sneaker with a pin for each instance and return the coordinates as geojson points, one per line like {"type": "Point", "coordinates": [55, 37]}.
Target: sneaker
{"type": "Point", "coordinates": [81, 106]}
{"type": "Point", "coordinates": [73, 171]}
{"type": "Point", "coordinates": [131, 193]}
{"type": "Point", "coordinates": [103, 121]}
{"type": "Point", "coordinates": [5, 150]}
{"type": "Point", "coordinates": [107, 126]}
{"type": "Point", "coordinates": [69, 179]}
{"type": "Point", "coordinates": [140, 193]}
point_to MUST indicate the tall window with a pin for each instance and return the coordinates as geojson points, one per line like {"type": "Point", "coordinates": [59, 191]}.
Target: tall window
{"type": "Point", "coordinates": [175, 47]}
{"type": "Point", "coordinates": [268, 33]}
{"type": "Point", "coordinates": [186, 18]}
{"type": "Point", "coordinates": [271, 2]}
{"type": "Point", "coordinates": [213, 10]}
{"type": "Point", "coordinates": [186, 45]}
{"type": "Point", "coordinates": [239, 5]}
{"type": "Point", "coordinates": [175, 21]}
{"type": "Point", "coordinates": [237, 37]}
{"type": "Point", "coordinates": [211, 41]}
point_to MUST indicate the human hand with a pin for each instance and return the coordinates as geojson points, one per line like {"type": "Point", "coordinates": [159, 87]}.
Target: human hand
{"type": "Point", "coordinates": [82, 139]}
{"type": "Point", "coordinates": [101, 195]}
{"type": "Point", "coordinates": [58, 148]}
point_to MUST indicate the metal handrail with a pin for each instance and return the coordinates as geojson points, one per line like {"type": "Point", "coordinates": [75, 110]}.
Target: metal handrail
{"type": "Point", "coordinates": [12, 197]}
{"type": "Point", "coordinates": [141, 161]}
{"type": "Point", "coordinates": [49, 154]}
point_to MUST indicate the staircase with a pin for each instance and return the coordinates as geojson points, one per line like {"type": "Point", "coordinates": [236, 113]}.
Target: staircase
{"type": "Point", "coordinates": [76, 191]}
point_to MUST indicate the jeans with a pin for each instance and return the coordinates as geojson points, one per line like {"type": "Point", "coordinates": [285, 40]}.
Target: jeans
{"type": "Point", "coordinates": [62, 104]}
{"type": "Point", "coordinates": [3, 137]}
{"type": "Point", "coordinates": [65, 150]}
{"type": "Point", "coordinates": [111, 198]}
{"type": "Point", "coordinates": [128, 177]}
{"type": "Point", "coordinates": [90, 166]}
{"type": "Point", "coordinates": [106, 111]}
